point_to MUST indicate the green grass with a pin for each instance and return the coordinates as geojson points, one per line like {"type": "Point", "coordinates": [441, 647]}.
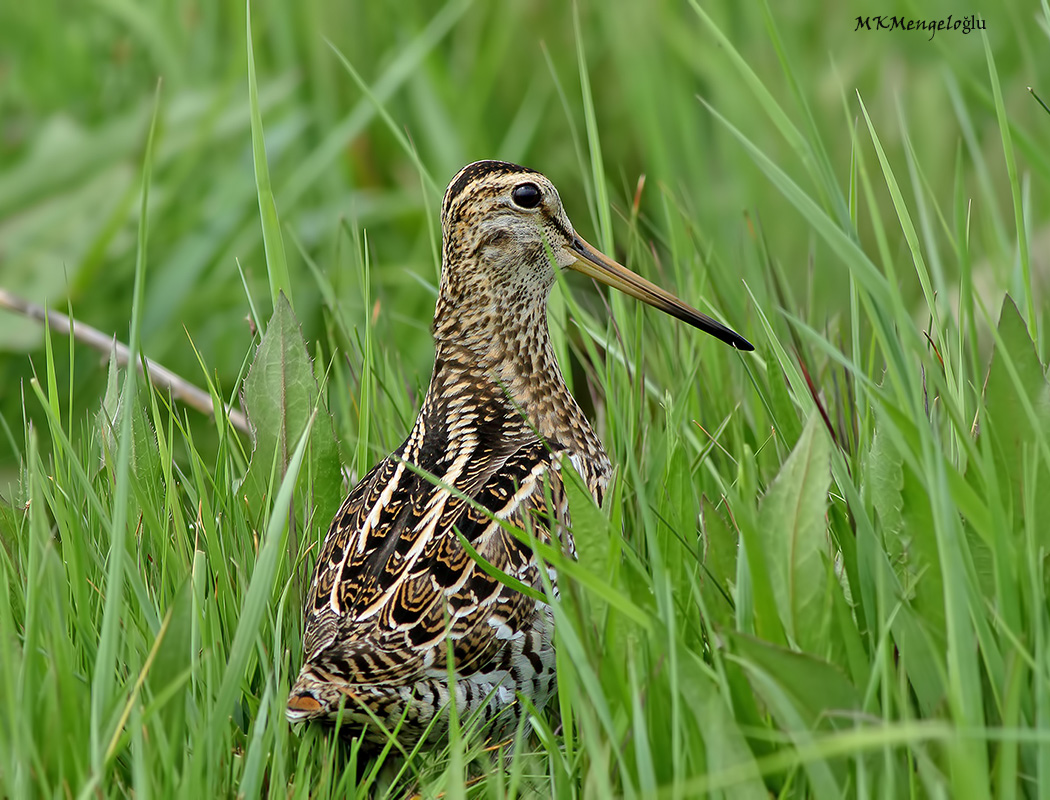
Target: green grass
{"type": "Point", "coordinates": [822, 568]}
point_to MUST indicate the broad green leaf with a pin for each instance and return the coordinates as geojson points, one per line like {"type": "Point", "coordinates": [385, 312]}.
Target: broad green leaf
{"type": "Point", "coordinates": [280, 394]}
{"type": "Point", "coordinates": [144, 452]}
{"type": "Point", "coordinates": [814, 686]}
{"type": "Point", "coordinates": [911, 567]}
{"type": "Point", "coordinates": [1017, 421]}
{"type": "Point", "coordinates": [804, 694]}
{"type": "Point", "coordinates": [885, 483]}
{"type": "Point", "coordinates": [793, 525]}
{"type": "Point", "coordinates": [106, 417]}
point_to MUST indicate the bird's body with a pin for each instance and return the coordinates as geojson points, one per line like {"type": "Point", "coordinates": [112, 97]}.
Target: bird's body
{"type": "Point", "coordinates": [395, 587]}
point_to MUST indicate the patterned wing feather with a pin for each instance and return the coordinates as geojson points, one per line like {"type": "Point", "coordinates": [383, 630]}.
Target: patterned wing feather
{"type": "Point", "coordinates": [394, 582]}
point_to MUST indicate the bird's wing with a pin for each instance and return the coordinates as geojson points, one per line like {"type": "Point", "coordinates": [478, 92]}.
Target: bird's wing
{"type": "Point", "coordinates": [394, 583]}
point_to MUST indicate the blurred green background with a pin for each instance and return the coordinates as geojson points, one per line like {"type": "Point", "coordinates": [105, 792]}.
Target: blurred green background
{"type": "Point", "coordinates": [459, 81]}
{"type": "Point", "coordinates": [922, 566]}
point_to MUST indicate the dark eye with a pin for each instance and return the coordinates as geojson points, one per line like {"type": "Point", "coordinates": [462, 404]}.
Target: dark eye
{"type": "Point", "coordinates": [527, 195]}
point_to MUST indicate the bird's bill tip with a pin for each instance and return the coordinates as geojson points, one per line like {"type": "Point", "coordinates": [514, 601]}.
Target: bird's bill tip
{"type": "Point", "coordinates": [595, 264]}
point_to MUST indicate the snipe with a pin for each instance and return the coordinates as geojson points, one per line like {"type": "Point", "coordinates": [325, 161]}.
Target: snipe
{"type": "Point", "coordinates": [395, 590]}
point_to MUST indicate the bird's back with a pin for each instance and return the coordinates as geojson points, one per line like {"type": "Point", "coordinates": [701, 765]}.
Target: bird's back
{"type": "Point", "coordinates": [396, 587]}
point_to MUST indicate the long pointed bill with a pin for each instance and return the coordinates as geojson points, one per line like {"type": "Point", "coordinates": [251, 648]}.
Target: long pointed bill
{"type": "Point", "coordinates": [596, 265]}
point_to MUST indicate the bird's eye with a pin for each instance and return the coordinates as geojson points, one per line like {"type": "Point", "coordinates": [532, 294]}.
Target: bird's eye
{"type": "Point", "coordinates": [527, 195]}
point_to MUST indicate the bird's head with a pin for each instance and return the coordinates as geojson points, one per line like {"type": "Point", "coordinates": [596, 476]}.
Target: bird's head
{"type": "Point", "coordinates": [505, 231]}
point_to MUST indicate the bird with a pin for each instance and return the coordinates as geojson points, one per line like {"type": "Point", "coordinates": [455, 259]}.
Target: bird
{"type": "Point", "coordinates": [398, 604]}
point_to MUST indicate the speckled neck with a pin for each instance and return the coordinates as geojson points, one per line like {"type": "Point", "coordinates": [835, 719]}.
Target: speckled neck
{"type": "Point", "coordinates": [512, 353]}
